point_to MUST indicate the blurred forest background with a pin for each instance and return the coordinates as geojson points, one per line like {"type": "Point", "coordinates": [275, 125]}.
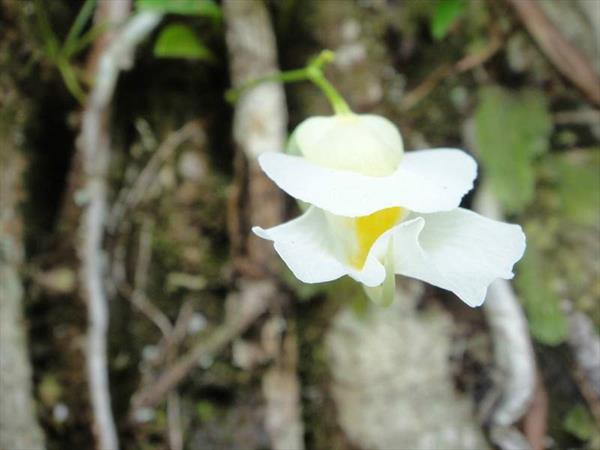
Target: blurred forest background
{"type": "Point", "coordinates": [136, 310]}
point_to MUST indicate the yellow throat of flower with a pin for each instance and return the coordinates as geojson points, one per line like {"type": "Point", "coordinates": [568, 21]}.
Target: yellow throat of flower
{"type": "Point", "coordinates": [369, 228]}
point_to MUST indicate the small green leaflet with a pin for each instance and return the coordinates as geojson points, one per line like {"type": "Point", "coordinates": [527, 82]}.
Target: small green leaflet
{"type": "Point", "coordinates": [579, 423]}
{"type": "Point", "coordinates": [207, 8]}
{"type": "Point", "coordinates": [180, 41]}
{"type": "Point", "coordinates": [445, 13]}
{"type": "Point", "coordinates": [511, 131]}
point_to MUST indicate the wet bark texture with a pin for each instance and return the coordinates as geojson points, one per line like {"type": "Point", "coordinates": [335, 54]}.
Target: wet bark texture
{"type": "Point", "coordinates": [19, 428]}
{"type": "Point", "coordinates": [260, 125]}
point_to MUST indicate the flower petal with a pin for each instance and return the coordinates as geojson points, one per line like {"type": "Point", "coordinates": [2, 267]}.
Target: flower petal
{"type": "Point", "coordinates": [366, 144]}
{"type": "Point", "coordinates": [306, 245]}
{"type": "Point", "coordinates": [457, 250]}
{"type": "Point", "coordinates": [384, 294]}
{"type": "Point", "coordinates": [425, 181]}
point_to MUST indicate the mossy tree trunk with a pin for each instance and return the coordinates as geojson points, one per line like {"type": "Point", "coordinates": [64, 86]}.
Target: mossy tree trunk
{"type": "Point", "coordinates": [19, 428]}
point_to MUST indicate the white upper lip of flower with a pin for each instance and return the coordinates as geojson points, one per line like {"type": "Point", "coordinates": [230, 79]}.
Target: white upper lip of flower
{"type": "Point", "coordinates": [425, 181]}
{"type": "Point", "coordinates": [435, 241]}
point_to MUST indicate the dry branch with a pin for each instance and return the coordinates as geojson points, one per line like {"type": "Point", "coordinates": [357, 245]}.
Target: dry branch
{"type": "Point", "coordinates": [111, 55]}
{"type": "Point", "coordinates": [585, 344]}
{"type": "Point", "coordinates": [130, 198]}
{"type": "Point", "coordinates": [282, 392]}
{"type": "Point", "coordinates": [260, 124]}
{"type": "Point", "coordinates": [172, 334]}
{"type": "Point", "coordinates": [535, 422]}
{"type": "Point", "coordinates": [512, 347]}
{"type": "Point", "coordinates": [252, 303]}
{"type": "Point", "coordinates": [138, 296]}
{"type": "Point", "coordinates": [465, 64]}
{"type": "Point", "coordinates": [19, 427]}
{"type": "Point", "coordinates": [175, 433]}
{"type": "Point", "coordinates": [566, 57]}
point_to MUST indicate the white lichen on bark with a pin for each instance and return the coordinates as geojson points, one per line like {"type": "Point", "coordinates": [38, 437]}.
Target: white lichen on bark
{"type": "Point", "coordinates": [19, 428]}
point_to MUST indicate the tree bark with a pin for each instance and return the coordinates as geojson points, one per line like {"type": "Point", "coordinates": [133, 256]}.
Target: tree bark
{"type": "Point", "coordinates": [260, 124]}
{"type": "Point", "coordinates": [19, 428]}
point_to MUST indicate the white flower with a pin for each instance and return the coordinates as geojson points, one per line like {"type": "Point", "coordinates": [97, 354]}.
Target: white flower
{"type": "Point", "coordinates": [376, 211]}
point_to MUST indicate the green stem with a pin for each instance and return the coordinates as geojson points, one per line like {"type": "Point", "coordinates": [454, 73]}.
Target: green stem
{"type": "Point", "coordinates": [70, 79]}
{"type": "Point", "coordinates": [336, 101]}
{"type": "Point", "coordinates": [84, 15]}
{"type": "Point", "coordinates": [322, 59]}
{"type": "Point", "coordinates": [85, 40]}
{"type": "Point", "coordinates": [313, 72]}
{"type": "Point", "coordinates": [291, 76]}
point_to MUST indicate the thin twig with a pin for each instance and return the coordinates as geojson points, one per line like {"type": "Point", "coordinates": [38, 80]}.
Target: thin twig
{"type": "Point", "coordinates": [172, 334]}
{"type": "Point", "coordinates": [281, 389]}
{"type": "Point", "coordinates": [512, 346]}
{"type": "Point", "coordinates": [174, 421]}
{"type": "Point", "coordinates": [469, 62]}
{"type": "Point", "coordinates": [175, 429]}
{"type": "Point", "coordinates": [535, 422]}
{"type": "Point", "coordinates": [586, 116]}
{"type": "Point", "coordinates": [566, 57]}
{"type": "Point", "coordinates": [425, 87]}
{"type": "Point", "coordinates": [138, 296]}
{"type": "Point", "coordinates": [128, 199]}
{"type": "Point", "coordinates": [253, 302]}
{"type": "Point", "coordinates": [465, 64]}
{"type": "Point", "coordinates": [94, 144]}
{"type": "Point", "coordinates": [170, 342]}
{"type": "Point", "coordinates": [585, 344]}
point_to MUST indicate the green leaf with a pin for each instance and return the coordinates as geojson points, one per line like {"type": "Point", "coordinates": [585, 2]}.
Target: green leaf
{"type": "Point", "coordinates": [547, 322]}
{"type": "Point", "coordinates": [445, 13]}
{"type": "Point", "coordinates": [82, 18]}
{"type": "Point", "coordinates": [511, 130]}
{"type": "Point", "coordinates": [180, 41]}
{"type": "Point", "coordinates": [579, 423]}
{"type": "Point", "coordinates": [578, 185]}
{"type": "Point", "coordinates": [51, 43]}
{"type": "Point", "coordinates": [206, 8]}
